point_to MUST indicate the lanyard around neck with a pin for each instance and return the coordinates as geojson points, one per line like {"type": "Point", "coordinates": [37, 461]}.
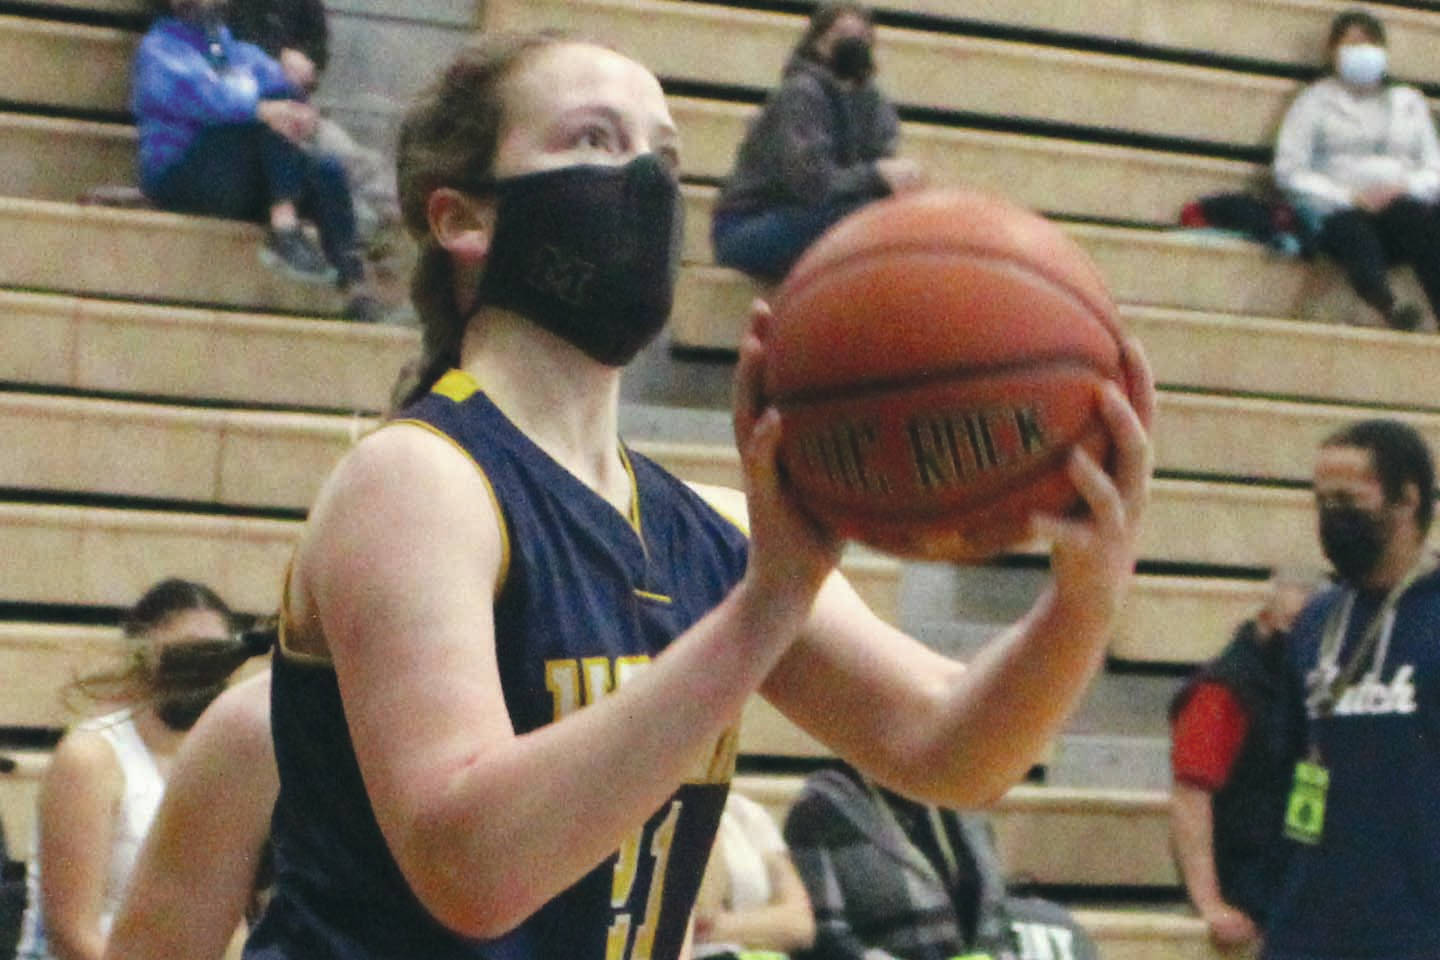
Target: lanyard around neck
{"type": "Point", "coordinates": [1332, 637]}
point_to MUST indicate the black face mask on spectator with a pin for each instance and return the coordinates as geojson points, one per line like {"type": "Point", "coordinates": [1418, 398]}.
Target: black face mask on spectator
{"type": "Point", "coordinates": [1353, 541]}
{"type": "Point", "coordinates": [851, 59]}
{"type": "Point", "coordinates": [589, 253]}
{"type": "Point", "coordinates": [190, 674]}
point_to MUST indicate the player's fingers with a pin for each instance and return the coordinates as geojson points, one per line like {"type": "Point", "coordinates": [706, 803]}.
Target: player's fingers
{"type": "Point", "coordinates": [749, 399]}
{"type": "Point", "coordinates": [759, 455]}
{"type": "Point", "coordinates": [1057, 533]}
{"type": "Point", "coordinates": [1107, 507]}
{"type": "Point", "coordinates": [1139, 379]}
{"type": "Point", "coordinates": [1133, 454]}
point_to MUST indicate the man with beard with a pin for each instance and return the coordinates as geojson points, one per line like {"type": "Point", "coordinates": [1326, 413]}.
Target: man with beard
{"type": "Point", "coordinates": [1364, 877]}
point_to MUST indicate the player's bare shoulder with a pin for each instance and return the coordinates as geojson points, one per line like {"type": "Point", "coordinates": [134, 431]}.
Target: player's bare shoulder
{"type": "Point", "coordinates": [726, 501]}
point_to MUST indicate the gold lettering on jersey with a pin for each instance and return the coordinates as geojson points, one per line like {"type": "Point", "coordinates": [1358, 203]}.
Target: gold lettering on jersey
{"type": "Point", "coordinates": [599, 679]}
{"type": "Point", "coordinates": [577, 683]}
{"type": "Point", "coordinates": [840, 454]}
{"type": "Point", "coordinates": [622, 884]}
{"type": "Point", "coordinates": [562, 679]}
{"type": "Point", "coordinates": [951, 448]}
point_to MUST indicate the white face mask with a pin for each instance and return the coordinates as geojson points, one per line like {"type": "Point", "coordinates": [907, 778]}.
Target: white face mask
{"type": "Point", "coordinates": [1361, 64]}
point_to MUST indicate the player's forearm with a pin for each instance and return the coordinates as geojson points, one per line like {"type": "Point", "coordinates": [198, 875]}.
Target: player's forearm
{"type": "Point", "coordinates": [994, 720]}
{"type": "Point", "coordinates": [522, 821]}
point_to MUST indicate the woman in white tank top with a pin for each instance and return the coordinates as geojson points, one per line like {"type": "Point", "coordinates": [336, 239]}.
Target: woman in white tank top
{"type": "Point", "coordinates": [107, 775]}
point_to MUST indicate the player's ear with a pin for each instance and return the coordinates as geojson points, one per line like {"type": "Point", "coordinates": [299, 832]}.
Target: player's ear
{"type": "Point", "coordinates": [462, 224]}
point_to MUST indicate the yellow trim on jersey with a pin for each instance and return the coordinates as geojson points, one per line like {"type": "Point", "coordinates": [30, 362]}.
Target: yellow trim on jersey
{"type": "Point", "coordinates": [489, 487]}
{"type": "Point", "coordinates": [456, 385]}
{"type": "Point", "coordinates": [653, 597]}
{"type": "Point", "coordinates": [634, 517]}
{"type": "Point", "coordinates": [282, 631]}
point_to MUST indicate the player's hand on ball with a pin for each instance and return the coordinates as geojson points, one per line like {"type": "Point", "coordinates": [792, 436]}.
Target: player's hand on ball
{"type": "Point", "coordinates": [1093, 556]}
{"type": "Point", "coordinates": [785, 543]}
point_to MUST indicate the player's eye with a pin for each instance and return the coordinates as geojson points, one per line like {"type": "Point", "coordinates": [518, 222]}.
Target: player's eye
{"type": "Point", "coordinates": [596, 136]}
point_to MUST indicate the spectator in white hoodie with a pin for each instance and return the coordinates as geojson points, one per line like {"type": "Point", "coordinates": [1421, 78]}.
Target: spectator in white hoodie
{"type": "Point", "coordinates": [1358, 156]}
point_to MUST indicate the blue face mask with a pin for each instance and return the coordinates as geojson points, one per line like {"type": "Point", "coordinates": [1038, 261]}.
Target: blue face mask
{"type": "Point", "coordinates": [1361, 64]}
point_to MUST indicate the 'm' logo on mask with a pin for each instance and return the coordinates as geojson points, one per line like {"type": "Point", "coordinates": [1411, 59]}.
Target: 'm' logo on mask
{"type": "Point", "coordinates": [560, 274]}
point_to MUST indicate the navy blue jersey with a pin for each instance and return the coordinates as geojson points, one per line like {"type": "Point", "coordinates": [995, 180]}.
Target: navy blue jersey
{"type": "Point", "coordinates": [1371, 887]}
{"type": "Point", "coordinates": [588, 596]}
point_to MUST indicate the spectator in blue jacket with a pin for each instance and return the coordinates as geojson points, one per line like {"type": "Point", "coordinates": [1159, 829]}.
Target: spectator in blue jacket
{"type": "Point", "coordinates": [222, 131]}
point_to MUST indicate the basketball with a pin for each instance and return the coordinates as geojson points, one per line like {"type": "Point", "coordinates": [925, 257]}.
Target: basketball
{"type": "Point", "coordinates": [935, 357]}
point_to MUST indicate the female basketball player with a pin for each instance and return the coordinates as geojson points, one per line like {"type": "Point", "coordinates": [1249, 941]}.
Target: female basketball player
{"type": "Point", "coordinates": [513, 654]}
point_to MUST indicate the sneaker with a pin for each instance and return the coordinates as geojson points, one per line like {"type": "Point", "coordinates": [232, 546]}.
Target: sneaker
{"type": "Point", "coordinates": [292, 253]}
{"type": "Point", "coordinates": [1404, 316]}
{"type": "Point", "coordinates": [363, 308]}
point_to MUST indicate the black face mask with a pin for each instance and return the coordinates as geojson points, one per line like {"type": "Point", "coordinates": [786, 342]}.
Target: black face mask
{"type": "Point", "coordinates": [589, 253]}
{"type": "Point", "coordinates": [1353, 541]}
{"type": "Point", "coordinates": [851, 59]}
{"type": "Point", "coordinates": [188, 676]}
{"type": "Point", "coordinates": [180, 711]}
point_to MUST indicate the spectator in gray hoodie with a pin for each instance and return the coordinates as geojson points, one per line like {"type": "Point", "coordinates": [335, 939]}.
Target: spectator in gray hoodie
{"type": "Point", "coordinates": [823, 145]}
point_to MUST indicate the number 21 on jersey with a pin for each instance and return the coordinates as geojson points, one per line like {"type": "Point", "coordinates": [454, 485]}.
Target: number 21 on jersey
{"type": "Point", "coordinates": [575, 683]}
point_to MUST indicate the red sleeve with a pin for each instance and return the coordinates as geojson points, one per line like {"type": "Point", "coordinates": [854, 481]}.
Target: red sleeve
{"type": "Point", "coordinates": [1208, 734]}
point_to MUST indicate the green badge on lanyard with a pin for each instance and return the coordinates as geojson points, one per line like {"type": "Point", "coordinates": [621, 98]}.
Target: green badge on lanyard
{"type": "Point", "coordinates": [1305, 813]}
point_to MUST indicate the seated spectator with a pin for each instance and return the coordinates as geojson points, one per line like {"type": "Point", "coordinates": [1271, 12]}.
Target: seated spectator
{"type": "Point", "coordinates": [893, 879]}
{"type": "Point", "coordinates": [297, 35]}
{"type": "Point", "coordinates": [104, 781]}
{"type": "Point", "coordinates": [211, 832]}
{"type": "Point", "coordinates": [1358, 156]}
{"type": "Point", "coordinates": [751, 898]}
{"type": "Point", "coordinates": [1233, 761]}
{"type": "Point", "coordinates": [823, 146]}
{"type": "Point", "coordinates": [223, 132]}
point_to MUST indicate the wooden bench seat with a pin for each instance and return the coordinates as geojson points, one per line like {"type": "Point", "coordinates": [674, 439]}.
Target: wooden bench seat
{"type": "Point", "coordinates": [146, 254]}
{"type": "Point", "coordinates": [51, 158]}
{"type": "Point", "coordinates": [67, 248]}
{"type": "Point", "coordinates": [1286, 32]}
{"type": "Point", "coordinates": [1180, 268]}
{"type": "Point", "coordinates": [42, 660]}
{"type": "Point", "coordinates": [90, 344]}
{"type": "Point", "coordinates": [1177, 269]}
{"type": "Point", "coordinates": [278, 460]}
{"type": "Point", "coordinates": [1018, 81]}
{"type": "Point", "coordinates": [111, 346]}
{"type": "Point", "coordinates": [264, 458]}
{"type": "Point", "coordinates": [102, 556]}
{"type": "Point", "coordinates": [106, 556]}
{"type": "Point", "coordinates": [50, 63]}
